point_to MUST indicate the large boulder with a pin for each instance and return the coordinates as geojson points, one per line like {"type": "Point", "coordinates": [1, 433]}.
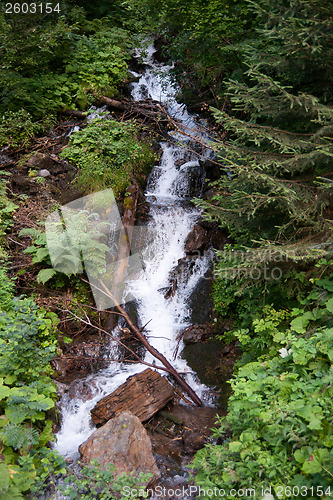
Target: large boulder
{"type": "Point", "coordinates": [123, 442]}
{"type": "Point", "coordinates": [143, 394]}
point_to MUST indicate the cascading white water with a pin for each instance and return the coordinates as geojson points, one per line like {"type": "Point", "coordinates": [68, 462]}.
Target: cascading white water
{"type": "Point", "coordinates": [171, 218]}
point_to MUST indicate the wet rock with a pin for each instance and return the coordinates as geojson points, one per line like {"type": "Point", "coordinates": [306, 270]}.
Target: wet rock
{"type": "Point", "coordinates": [178, 433]}
{"type": "Point", "coordinates": [201, 300]}
{"type": "Point", "coordinates": [161, 44]}
{"type": "Point", "coordinates": [23, 184]}
{"type": "Point", "coordinates": [5, 160]}
{"type": "Point", "coordinates": [198, 333]}
{"type": "Point", "coordinates": [40, 160]}
{"type": "Point", "coordinates": [123, 442]}
{"type": "Point", "coordinates": [209, 193]}
{"type": "Point", "coordinates": [143, 394]}
{"type": "Point", "coordinates": [197, 241]}
{"type": "Point", "coordinates": [81, 358]}
{"type": "Point", "coordinates": [194, 441]}
{"type": "Point", "coordinates": [83, 389]}
{"type": "Point", "coordinates": [61, 388]}
{"type": "Point", "coordinates": [213, 365]}
{"type": "Point", "coordinates": [213, 169]}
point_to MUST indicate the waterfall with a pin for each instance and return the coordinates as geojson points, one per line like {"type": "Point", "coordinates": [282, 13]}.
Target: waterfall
{"type": "Point", "coordinates": [171, 216]}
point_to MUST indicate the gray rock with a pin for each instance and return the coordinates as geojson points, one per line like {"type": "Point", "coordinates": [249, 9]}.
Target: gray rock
{"type": "Point", "coordinates": [123, 442]}
{"type": "Point", "coordinates": [198, 333]}
{"type": "Point", "coordinates": [44, 172]}
{"type": "Point", "coordinates": [61, 388]}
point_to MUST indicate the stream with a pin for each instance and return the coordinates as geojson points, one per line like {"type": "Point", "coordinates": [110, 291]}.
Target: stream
{"type": "Point", "coordinates": [171, 184]}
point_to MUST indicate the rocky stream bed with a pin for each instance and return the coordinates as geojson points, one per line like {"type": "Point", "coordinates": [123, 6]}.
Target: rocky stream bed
{"type": "Point", "coordinates": [174, 297]}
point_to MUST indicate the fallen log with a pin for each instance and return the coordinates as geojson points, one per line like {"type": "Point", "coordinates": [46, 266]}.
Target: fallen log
{"type": "Point", "coordinates": [143, 394]}
{"type": "Point", "coordinates": [73, 112]}
{"type": "Point", "coordinates": [149, 109]}
{"type": "Point", "coordinates": [124, 246]}
{"type": "Point", "coordinates": [113, 103]}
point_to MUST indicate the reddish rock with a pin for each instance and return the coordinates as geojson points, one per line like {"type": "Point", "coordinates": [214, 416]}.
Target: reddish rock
{"type": "Point", "coordinates": [197, 241]}
{"type": "Point", "coordinates": [123, 442]}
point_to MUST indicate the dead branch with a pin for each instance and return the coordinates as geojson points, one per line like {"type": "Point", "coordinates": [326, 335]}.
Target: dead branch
{"type": "Point", "coordinates": [150, 348]}
{"type": "Point", "coordinates": [139, 360]}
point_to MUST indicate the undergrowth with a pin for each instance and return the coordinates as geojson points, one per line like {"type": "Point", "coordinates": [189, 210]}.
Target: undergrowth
{"type": "Point", "coordinates": [108, 154]}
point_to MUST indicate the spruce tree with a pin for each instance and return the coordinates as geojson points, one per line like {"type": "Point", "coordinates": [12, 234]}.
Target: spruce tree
{"type": "Point", "coordinates": [277, 184]}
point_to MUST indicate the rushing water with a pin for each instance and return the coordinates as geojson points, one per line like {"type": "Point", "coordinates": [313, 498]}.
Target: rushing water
{"type": "Point", "coordinates": [171, 216]}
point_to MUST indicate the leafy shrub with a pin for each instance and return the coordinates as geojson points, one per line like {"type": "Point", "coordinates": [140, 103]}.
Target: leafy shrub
{"type": "Point", "coordinates": [27, 344]}
{"type": "Point", "coordinates": [98, 63]}
{"type": "Point", "coordinates": [6, 290]}
{"type": "Point", "coordinates": [108, 154]}
{"type": "Point", "coordinates": [7, 207]}
{"type": "Point", "coordinates": [94, 482]}
{"type": "Point", "coordinates": [16, 128]}
{"type": "Point", "coordinates": [280, 413]}
{"type": "Point", "coordinates": [95, 64]}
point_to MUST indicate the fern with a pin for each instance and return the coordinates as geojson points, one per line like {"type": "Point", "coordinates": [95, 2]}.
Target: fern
{"type": "Point", "coordinates": [19, 436]}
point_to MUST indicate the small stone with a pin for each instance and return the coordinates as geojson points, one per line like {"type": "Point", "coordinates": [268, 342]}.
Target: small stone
{"type": "Point", "coordinates": [44, 173]}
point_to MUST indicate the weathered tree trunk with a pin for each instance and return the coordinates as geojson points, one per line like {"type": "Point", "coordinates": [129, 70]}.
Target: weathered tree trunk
{"type": "Point", "coordinates": [142, 394]}
{"type": "Point", "coordinates": [124, 242]}
{"type": "Point", "coordinates": [73, 112]}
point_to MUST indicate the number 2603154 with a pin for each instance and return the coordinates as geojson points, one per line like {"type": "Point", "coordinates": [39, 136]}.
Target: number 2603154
{"type": "Point", "coordinates": [31, 8]}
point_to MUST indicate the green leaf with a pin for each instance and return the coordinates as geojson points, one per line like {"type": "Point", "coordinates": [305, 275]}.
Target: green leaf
{"type": "Point", "coordinates": [40, 255]}
{"type": "Point", "coordinates": [300, 456]}
{"type": "Point", "coordinates": [45, 275]}
{"type": "Point", "coordinates": [4, 390]}
{"type": "Point", "coordinates": [4, 478]}
{"type": "Point", "coordinates": [329, 305]}
{"type": "Point", "coordinates": [235, 446]}
{"type": "Point", "coordinates": [311, 466]}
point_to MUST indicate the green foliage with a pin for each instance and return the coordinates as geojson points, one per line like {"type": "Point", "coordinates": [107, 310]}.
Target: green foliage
{"type": "Point", "coordinates": [6, 290]}
{"type": "Point", "coordinates": [27, 344]}
{"type": "Point", "coordinates": [94, 482]}
{"type": "Point", "coordinates": [7, 207]}
{"type": "Point", "coordinates": [24, 330]}
{"type": "Point", "coordinates": [278, 152]}
{"type": "Point", "coordinates": [278, 180]}
{"type": "Point", "coordinates": [76, 59]}
{"type": "Point", "coordinates": [108, 154]}
{"type": "Point", "coordinates": [274, 198]}
{"type": "Point", "coordinates": [280, 413]}
{"type": "Point", "coordinates": [295, 43]}
{"type": "Point", "coordinates": [16, 128]}
{"type": "Point", "coordinates": [96, 64]}
{"type": "Point", "coordinates": [248, 278]}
